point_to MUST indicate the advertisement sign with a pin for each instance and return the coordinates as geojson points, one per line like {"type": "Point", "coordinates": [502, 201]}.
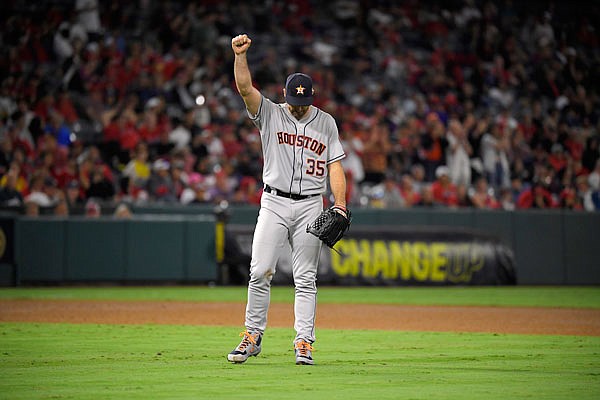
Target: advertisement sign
{"type": "Point", "coordinates": [402, 256]}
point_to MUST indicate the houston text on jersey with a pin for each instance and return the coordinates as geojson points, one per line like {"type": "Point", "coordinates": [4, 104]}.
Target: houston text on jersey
{"type": "Point", "coordinates": [302, 141]}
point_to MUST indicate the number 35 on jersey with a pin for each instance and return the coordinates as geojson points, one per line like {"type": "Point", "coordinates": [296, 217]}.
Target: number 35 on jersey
{"type": "Point", "coordinates": [314, 166]}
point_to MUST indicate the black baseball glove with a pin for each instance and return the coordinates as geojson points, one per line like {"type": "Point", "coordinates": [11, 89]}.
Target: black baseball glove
{"type": "Point", "coordinates": [331, 225]}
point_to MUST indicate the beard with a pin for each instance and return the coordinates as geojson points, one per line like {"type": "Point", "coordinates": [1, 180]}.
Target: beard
{"type": "Point", "coordinates": [298, 111]}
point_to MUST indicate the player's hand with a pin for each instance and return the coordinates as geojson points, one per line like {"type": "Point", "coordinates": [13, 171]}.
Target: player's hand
{"type": "Point", "coordinates": [240, 44]}
{"type": "Point", "coordinates": [340, 210]}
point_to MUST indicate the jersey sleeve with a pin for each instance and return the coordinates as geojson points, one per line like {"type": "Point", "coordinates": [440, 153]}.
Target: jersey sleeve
{"type": "Point", "coordinates": [336, 151]}
{"type": "Point", "coordinates": [265, 109]}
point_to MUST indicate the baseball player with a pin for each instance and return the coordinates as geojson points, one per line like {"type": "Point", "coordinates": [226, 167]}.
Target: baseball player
{"type": "Point", "coordinates": [301, 148]}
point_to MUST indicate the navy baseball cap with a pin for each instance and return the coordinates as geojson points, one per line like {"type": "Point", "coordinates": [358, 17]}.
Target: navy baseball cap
{"type": "Point", "coordinates": [299, 90]}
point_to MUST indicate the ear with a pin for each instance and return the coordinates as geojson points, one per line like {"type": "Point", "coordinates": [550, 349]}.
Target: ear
{"type": "Point", "coordinates": [283, 92]}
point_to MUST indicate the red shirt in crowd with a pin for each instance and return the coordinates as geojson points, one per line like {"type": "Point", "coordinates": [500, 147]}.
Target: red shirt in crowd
{"type": "Point", "coordinates": [444, 193]}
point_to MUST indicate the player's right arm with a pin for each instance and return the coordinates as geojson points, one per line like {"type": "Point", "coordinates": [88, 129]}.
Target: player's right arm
{"type": "Point", "coordinates": [241, 72]}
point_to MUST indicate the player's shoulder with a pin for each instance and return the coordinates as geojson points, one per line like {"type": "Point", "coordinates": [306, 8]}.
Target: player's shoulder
{"type": "Point", "coordinates": [272, 105]}
{"type": "Point", "coordinates": [266, 105]}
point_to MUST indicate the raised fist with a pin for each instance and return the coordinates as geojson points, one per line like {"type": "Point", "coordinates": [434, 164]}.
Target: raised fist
{"type": "Point", "coordinates": [240, 44]}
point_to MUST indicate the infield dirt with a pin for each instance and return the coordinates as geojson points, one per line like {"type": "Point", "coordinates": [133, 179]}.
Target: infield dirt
{"type": "Point", "coordinates": [519, 320]}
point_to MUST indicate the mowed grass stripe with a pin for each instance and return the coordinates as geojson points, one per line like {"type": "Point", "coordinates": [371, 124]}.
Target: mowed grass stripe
{"type": "Point", "coordinates": [546, 296]}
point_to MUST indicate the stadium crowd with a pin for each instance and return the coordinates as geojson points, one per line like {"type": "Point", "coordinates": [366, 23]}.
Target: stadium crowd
{"type": "Point", "coordinates": [460, 103]}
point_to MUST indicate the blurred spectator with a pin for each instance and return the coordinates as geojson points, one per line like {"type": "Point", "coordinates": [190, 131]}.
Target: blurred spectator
{"type": "Point", "coordinates": [434, 144]}
{"type": "Point", "coordinates": [20, 131]}
{"type": "Point", "coordinates": [63, 49]}
{"type": "Point", "coordinates": [66, 108]}
{"type": "Point", "coordinates": [95, 157]}
{"type": "Point", "coordinates": [594, 177]}
{"type": "Point", "coordinates": [52, 190]}
{"type": "Point", "coordinates": [92, 209]}
{"type": "Point", "coordinates": [231, 144]}
{"type": "Point", "coordinates": [586, 194]}
{"type": "Point", "coordinates": [407, 189]}
{"type": "Point", "coordinates": [66, 171]}
{"type": "Point", "coordinates": [224, 184]}
{"type": "Point", "coordinates": [160, 185]}
{"type": "Point", "coordinates": [195, 185]}
{"type": "Point", "coordinates": [138, 169]}
{"type": "Point", "coordinates": [197, 193]}
{"type": "Point", "coordinates": [569, 199]}
{"type": "Point", "coordinates": [250, 160]}
{"type": "Point", "coordinates": [536, 196]}
{"type": "Point", "coordinates": [213, 145]}
{"type": "Point", "coordinates": [61, 209]}
{"type": "Point", "coordinates": [443, 190]}
{"type": "Point", "coordinates": [123, 211]}
{"type": "Point", "coordinates": [354, 148]}
{"type": "Point", "coordinates": [181, 136]}
{"type": "Point", "coordinates": [463, 198]}
{"type": "Point", "coordinates": [476, 133]}
{"type": "Point", "coordinates": [427, 199]}
{"type": "Point", "coordinates": [9, 195]}
{"type": "Point", "coordinates": [32, 208]}
{"type": "Point", "coordinates": [458, 153]}
{"type": "Point", "coordinates": [89, 17]}
{"type": "Point", "coordinates": [73, 194]}
{"type": "Point", "coordinates": [122, 131]}
{"type": "Point", "coordinates": [482, 196]}
{"type": "Point", "coordinates": [38, 192]}
{"type": "Point", "coordinates": [6, 153]}
{"type": "Point", "coordinates": [388, 194]}
{"type": "Point", "coordinates": [417, 173]}
{"type": "Point", "coordinates": [494, 153]}
{"type": "Point", "coordinates": [507, 200]}
{"type": "Point", "coordinates": [374, 155]}
{"type": "Point", "coordinates": [58, 128]}
{"type": "Point", "coordinates": [15, 173]}
{"type": "Point", "coordinates": [178, 176]}
{"type": "Point", "coordinates": [248, 192]}
{"type": "Point", "coordinates": [100, 186]}
{"type": "Point", "coordinates": [153, 123]}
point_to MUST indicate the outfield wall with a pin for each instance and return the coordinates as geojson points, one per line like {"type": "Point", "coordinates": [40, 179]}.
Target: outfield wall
{"type": "Point", "coordinates": [177, 243]}
{"type": "Point", "coordinates": [143, 249]}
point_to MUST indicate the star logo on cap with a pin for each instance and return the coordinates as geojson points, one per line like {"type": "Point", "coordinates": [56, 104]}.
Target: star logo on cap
{"type": "Point", "coordinates": [300, 89]}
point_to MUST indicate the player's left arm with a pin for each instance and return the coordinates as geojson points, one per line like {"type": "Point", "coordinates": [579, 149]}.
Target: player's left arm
{"type": "Point", "coordinates": [337, 183]}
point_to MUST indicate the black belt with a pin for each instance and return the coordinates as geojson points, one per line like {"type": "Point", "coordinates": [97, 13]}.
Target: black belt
{"type": "Point", "coordinates": [292, 196]}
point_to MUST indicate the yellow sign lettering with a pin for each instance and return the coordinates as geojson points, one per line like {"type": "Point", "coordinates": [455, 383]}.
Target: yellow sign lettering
{"type": "Point", "coordinates": [420, 261]}
{"type": "Point", "coordinates": [417, 261]}
{"type": "Point", "coordinates": [438, 262]}
{"type": "Point", "coordinates": [380, 260]}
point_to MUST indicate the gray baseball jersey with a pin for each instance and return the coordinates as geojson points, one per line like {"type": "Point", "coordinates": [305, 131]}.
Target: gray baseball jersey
{"type": "Point", "coordinates": [296, 154]}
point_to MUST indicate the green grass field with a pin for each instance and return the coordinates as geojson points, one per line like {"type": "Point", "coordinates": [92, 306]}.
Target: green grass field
{"type": "Point", "coordinates": [544, 296]}
{"type": "Point", "coordinates": [86, 361]}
